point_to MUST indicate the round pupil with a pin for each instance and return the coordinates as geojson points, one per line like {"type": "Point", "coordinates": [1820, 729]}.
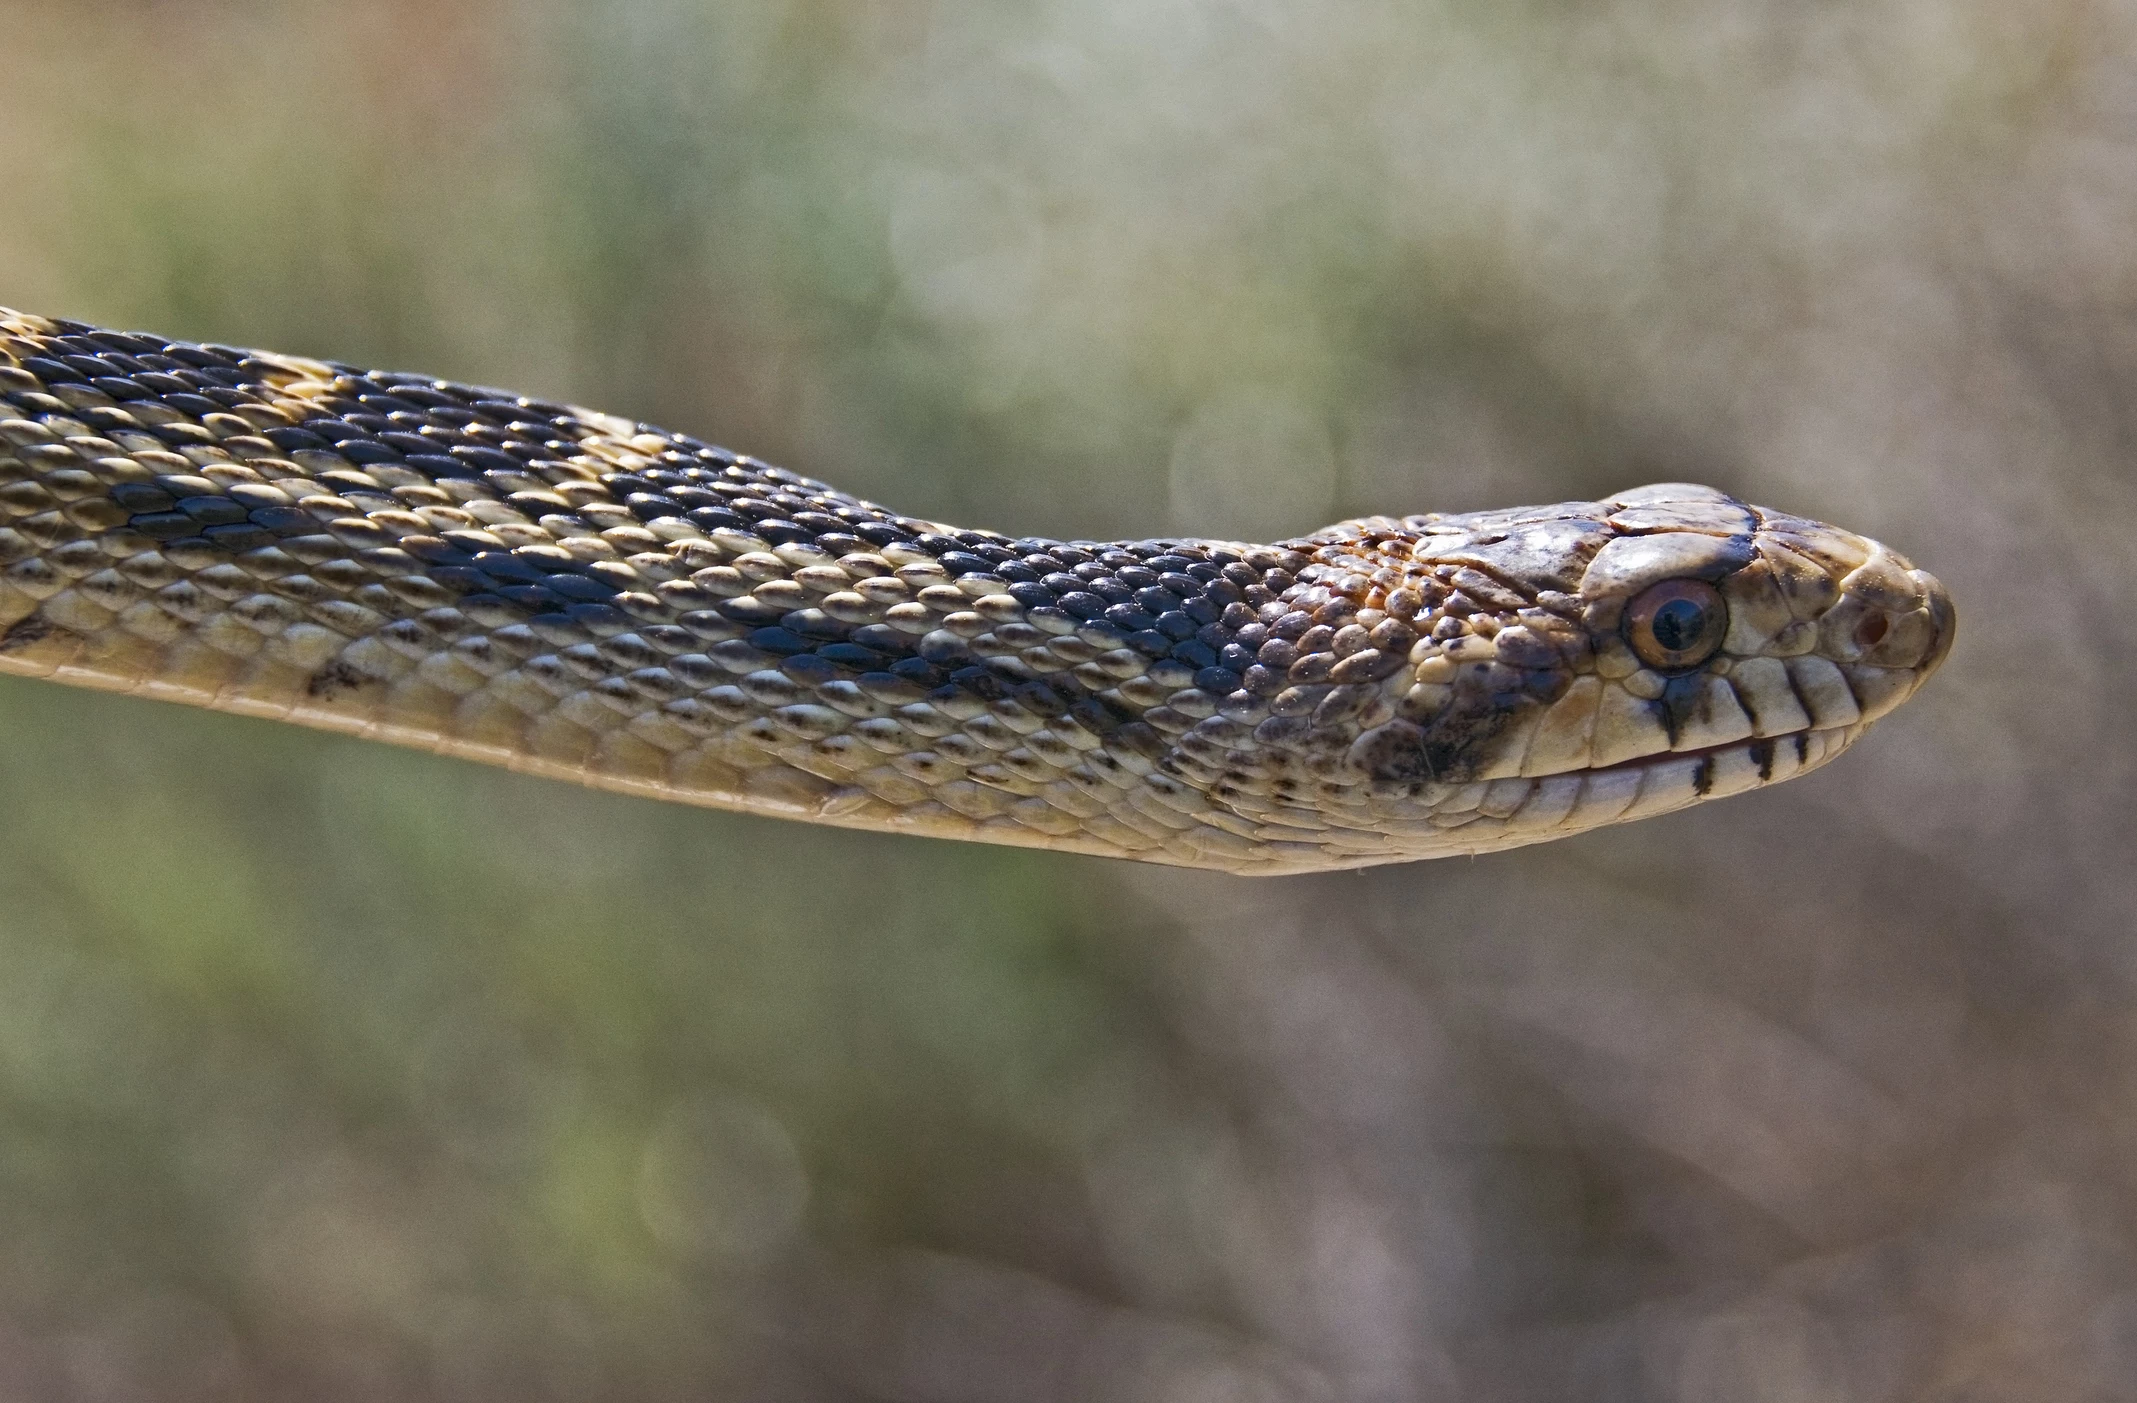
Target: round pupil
{"type": "Point", "coordinates": [1679, 624]}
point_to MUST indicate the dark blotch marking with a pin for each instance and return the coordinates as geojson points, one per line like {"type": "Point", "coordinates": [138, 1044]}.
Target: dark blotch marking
{"type": "Point", "coordinates": [1458, 742]}
{"type": "Point", "coordinates": [1703, 776]}
{"type": "Point", "coordinates": [1399, 752]}
{"type": "Point", "coordinates": [26, 631]}
{"type": "Point", "coordinates": [1685, 702]}
{"type": "Point", "coordinates": [335, 679]}
{"type": "Point", "coordinates": [1762, 751]}
{"type": "Point", "coordinates": [1144, 739]}
{"type": "Point", "coordinates": [980, 682]}
{"type": "Point", "coordinates": [1099, 715]}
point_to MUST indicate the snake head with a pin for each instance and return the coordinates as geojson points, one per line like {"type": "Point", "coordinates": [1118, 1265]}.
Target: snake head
{"type": "Point", "coordinates": [1500, 677]}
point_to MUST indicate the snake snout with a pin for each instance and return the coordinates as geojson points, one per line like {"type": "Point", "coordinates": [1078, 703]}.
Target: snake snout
{"type": "Point", "coordinates": [1943, 618]}
{"type": "Point", "coordinates": [1888, 630]}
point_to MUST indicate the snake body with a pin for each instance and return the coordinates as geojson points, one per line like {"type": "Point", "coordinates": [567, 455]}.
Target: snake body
{"type": "Point", "coordinates": [568, 593]}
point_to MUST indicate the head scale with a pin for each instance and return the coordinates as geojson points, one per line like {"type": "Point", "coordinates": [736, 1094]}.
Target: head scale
{"type": "Point", "coordinates": [1447, 684]}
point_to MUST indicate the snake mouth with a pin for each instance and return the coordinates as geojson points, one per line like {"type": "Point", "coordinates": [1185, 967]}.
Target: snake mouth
{"type": "Point", "coordinates": [1509, 812]}
{"type": "Point", "coordinates": [1812, 708]}
{"type": "Point", "coordinates": [1768, 758]}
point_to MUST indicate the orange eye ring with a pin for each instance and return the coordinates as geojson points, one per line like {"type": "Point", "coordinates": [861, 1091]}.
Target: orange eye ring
{"type": "Point", "coordinates": [1677, 624]}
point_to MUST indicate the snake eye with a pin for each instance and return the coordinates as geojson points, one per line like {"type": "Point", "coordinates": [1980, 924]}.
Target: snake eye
{"type": "Point", "coordinates": [1677, 624]}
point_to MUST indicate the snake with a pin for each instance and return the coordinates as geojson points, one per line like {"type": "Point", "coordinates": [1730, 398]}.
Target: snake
{"type": "Point", "coordinates": [576, 595]}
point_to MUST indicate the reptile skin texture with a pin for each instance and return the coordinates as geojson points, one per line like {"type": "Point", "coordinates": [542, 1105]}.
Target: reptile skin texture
{"type": "Point", "coordinates": [578, 596]}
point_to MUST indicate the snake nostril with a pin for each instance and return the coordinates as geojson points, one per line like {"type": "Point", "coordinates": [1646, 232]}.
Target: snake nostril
{"type": "Point", "coordinates": [1872, 630]}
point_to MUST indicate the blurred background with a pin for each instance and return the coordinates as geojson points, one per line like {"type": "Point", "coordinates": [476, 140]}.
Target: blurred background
{"type": "Point", "coordinates": [337, 1072]}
